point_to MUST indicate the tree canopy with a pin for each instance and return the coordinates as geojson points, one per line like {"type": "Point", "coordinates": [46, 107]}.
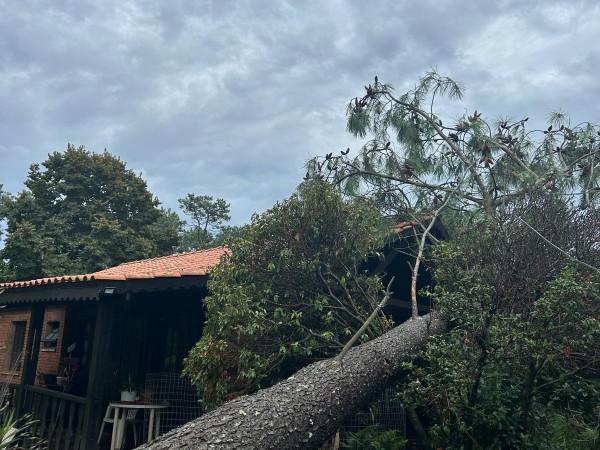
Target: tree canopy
{"type": "Point", "coordinates": [414, 156]}
{"type": "Point", "coordinates": [291, 291]}
{"type": "Point", "coordinates": [81, 212]}
{"type": "Point", "coordinates": [519, 278]}
{"type": "Point", "coordinates": [207, 217]}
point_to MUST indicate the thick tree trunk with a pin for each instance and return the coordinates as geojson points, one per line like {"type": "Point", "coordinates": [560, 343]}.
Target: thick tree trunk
{"type": "Point", "coordinates": [307, 408]}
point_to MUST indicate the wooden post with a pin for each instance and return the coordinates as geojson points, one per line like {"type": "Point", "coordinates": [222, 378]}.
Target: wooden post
{"type": "Point", "coordinates": [32, 351]}
{"type": "Point", "coordinates": [98, 370]}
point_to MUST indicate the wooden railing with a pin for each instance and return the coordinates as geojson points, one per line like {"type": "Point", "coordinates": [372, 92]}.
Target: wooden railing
{"type": "Point", "coordinates": [7, 393]}
{"type": "Point", "coordinates": [60, 417]}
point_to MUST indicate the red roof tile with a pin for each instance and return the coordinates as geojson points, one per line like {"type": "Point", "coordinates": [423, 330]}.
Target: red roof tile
{"type": "Point", "coordinates": [183, 264]}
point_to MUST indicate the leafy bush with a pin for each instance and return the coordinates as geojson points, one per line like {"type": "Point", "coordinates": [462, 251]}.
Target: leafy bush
{"type": "Point", "coordinates": [292, 291]}
{"type": "Point", "coordinates": [15, 433]}
{"type": "Point", "coordinates": [374, 437]}
{"type": "Point", "coordinates": [522, 355]}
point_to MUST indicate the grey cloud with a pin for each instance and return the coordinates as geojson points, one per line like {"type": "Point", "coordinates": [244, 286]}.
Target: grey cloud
{"type": "Point", "coordinates": [230, 98]}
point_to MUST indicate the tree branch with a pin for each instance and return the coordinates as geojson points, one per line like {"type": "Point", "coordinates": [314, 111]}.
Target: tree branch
{"type": "Point", "coordinates": [365, 325]}
{"type": "Point", "coordinates": [583, 263]}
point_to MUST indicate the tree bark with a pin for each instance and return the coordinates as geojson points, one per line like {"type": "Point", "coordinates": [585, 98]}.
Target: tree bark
{"type": "Point", "coordinates": [307, 408]}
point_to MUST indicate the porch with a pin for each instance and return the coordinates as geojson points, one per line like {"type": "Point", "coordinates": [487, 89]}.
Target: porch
{"type": "Point", "coordinates": [60, 417]}
{"type": "Point", "coordinates": [112, 326]}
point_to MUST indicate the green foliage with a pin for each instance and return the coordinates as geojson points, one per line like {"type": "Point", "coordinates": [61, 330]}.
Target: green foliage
{"type": "Point", "coordinates": [166, 231]}
{"type": "Point", "coordinates": [571, 432]}
{"type": "Point", "coordinates": [23, 252]}
{"type": "Point", "coordinates": [196, 239]}
{"type": "Point", "coordinates": [374, 437]}
{"type": "Point", "coordinates": [226, 234]}
{"type": "Point", "coordinates": [522, 356]}
{"type": "Point", "coordinates": [413, 156]}
{"type": "Point", "coordinates": [81, 212]}
{"type": "Point", "coordinates": [291, 291]}
{"type": "Point", "coordinates": [16, 434]}
{"type": "Point", "coordinates": [207, 217]}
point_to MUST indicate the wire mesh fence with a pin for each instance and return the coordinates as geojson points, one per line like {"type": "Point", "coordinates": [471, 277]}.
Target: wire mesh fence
{"type": "Point", "coordinates": [176, 391]}
{"type": "Point", "coordinates": [386, 412]}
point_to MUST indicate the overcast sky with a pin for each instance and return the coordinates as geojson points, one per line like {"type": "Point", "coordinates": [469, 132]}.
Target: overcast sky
{"type": "Point", "coordinates": [230, 99]}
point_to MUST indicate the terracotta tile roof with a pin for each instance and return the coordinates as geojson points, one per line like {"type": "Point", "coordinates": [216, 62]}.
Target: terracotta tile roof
{"type": "Point", "coordinates": [183, 264]}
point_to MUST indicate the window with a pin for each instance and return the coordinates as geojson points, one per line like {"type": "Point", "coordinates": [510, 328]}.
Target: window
{"type": "Point", "coordinates": [51, 338]}
{"type": "Point", "coordinates": [16, 343]}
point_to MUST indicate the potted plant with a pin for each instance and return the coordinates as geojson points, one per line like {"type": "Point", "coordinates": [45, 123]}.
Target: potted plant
{"type": "Point", "coordinates": [128, 390]}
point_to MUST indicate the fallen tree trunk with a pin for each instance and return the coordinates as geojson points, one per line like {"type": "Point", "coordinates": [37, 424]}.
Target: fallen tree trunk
{"type": "Point", "coordinates": [307, 408]}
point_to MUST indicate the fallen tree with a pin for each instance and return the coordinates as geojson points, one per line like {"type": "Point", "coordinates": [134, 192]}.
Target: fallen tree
{"type": "Point", "coordinates": [304, 410]}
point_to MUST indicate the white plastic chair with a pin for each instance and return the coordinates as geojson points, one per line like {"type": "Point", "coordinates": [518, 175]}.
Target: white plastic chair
{"type": "Point", "coordinates": [130, 418]}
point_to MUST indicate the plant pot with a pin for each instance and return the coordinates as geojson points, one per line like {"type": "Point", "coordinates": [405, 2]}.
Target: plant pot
{"type": "Point", "coordinates": [127, 396]}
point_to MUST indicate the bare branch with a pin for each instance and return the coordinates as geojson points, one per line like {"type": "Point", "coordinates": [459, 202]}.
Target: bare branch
{"type": "Point", "coordinates": [365, 325]}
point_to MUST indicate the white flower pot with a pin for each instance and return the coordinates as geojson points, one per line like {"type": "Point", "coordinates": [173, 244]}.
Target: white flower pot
{"type": "Point", "coordinates": [127, 396]}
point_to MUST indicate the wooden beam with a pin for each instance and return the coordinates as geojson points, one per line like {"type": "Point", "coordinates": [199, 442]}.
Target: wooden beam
{"type": "Point", "coordinates": [47, 294]}
{"type": "Point", "coordinates": [93, 290]}
{"type": "Point", "coordinates": [98, 370]}
{"type": "Point", "coordinates": [32, 349]}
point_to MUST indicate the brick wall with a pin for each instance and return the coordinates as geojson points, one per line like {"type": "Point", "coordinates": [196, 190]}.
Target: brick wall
{"type": "Point", "coordinates": [49, 357]}
{"type": "Point", "coordinates": [6, 319]}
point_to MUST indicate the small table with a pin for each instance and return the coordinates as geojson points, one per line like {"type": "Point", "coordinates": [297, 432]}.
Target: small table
{"type": "Point", "coordinates": [118, 431]}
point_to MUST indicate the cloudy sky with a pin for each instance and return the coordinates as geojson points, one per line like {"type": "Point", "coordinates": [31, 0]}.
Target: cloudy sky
{"type": "Point", "coordinates": [230, 99]}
